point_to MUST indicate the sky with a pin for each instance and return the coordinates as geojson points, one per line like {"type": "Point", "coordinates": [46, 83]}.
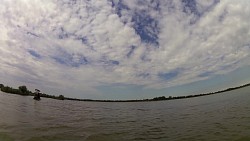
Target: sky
{"type": "Point", "coordinates": [124, 49]}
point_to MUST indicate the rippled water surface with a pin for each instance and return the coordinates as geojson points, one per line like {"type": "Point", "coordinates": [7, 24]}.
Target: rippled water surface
{"type": "Point", "coordinates": [221, 117]}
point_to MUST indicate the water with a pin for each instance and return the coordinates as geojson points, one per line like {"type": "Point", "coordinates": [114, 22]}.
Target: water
{"type": "Point", "coordinates": [220, 117]}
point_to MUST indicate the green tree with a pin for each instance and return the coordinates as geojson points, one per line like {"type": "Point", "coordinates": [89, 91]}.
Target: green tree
{"type": "Point", "coordinates": [160, 98]}
{"type": "Point", "coordinates": [61, 97]}
{"type": "Point", "coordinates": [1, 86]}
{"type": "Point", "coordinates": [23, 89]}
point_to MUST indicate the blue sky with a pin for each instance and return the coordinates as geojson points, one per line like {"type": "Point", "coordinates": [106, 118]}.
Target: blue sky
{"type": "Point", "coordinates": [117, 49]}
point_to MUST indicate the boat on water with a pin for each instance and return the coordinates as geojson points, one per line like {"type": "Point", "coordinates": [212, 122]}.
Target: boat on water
{"type": "Point", "coordinates": [37, 95]}
{"type": "Point", "coordinates": [37, 98]}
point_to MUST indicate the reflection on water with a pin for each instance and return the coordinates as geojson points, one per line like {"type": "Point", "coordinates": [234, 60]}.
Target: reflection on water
{"type": "Point", "coordinates": [219, 117]}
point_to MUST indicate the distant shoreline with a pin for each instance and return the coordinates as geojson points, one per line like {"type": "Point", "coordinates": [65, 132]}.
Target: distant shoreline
{"type": "Point", "coordinates": [162, 98]}
{"type": "Point", "coordinates": [22, 90]}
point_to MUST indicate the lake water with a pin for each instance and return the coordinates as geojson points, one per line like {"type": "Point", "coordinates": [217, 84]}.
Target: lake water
{"type": "Point", "coordinates": [221, 117]}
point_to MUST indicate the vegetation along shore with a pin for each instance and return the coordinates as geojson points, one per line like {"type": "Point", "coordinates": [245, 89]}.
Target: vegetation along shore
{"type": "Point", "coordinates": [22, 90]}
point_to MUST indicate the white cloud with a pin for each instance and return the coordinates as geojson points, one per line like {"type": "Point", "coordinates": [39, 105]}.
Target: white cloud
{"type": "Point", "coordinates": [86, 44]}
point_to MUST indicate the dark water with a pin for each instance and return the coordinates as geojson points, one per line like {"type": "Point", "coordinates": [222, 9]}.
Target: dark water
{"type": "Point", "coordinates": [222, 117]}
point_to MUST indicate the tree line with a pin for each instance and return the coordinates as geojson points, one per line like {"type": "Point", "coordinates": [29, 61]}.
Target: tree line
{"type": "Point", "coordinates": [23, 90]}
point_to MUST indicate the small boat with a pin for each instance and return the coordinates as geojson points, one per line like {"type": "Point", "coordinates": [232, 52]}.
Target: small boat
{"type": "Point", "coordinates": [37, 98]}
{"type": "Point", "coordinates": [37, 95]}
